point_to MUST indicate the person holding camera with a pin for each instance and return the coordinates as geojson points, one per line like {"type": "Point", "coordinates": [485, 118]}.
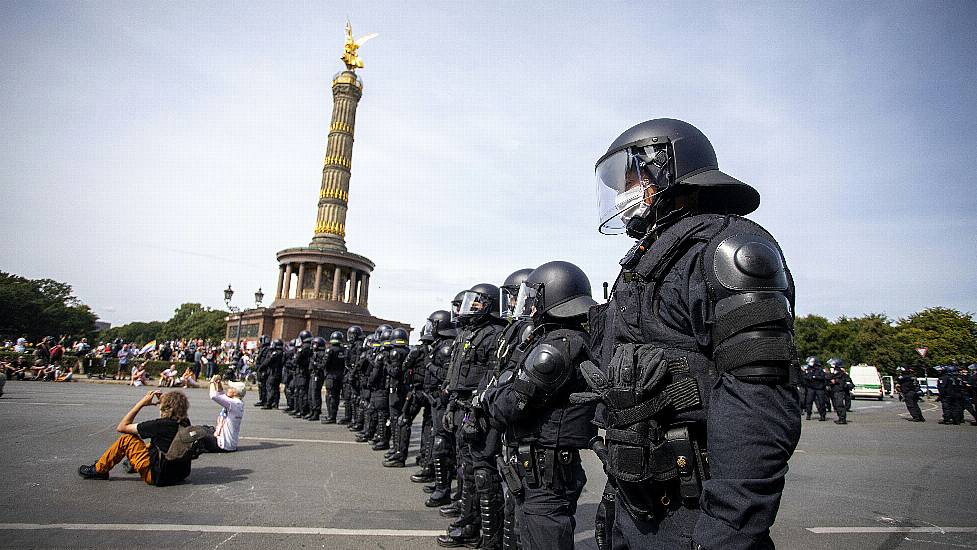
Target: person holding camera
{"type": "Point", "coordinates": [229, 418]}
{"type": "Point", "coordinates": [148, 460]}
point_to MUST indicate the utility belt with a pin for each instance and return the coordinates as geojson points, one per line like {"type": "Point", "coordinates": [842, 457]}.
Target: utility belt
{"type": "Point", "coordinates": [673, 468]}
{"type": "Point", "coordinates": [536, 466]}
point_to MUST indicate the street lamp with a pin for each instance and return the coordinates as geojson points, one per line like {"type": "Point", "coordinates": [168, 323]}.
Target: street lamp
{"type": "Point", "coordinates": [228, 294]}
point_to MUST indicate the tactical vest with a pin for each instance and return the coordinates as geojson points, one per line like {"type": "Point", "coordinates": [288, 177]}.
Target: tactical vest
{"type": "Point", "coordinates": [511, 346]}
{"type": "Point", "coordinates": [470, 357]}
{"type": "Point", "coordinates": [438, 360]}
{"type": "Point", "coordinates": [335, 360]}
{"type": "Point", "coordinates": [261, 356]}
{"type": "Point", "coordinates": [394, 367]}
{"type": "Point", "coordinates": [660, 437]}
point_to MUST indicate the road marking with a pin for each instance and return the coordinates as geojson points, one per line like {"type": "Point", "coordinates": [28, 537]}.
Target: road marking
{"type": "Point", "coordinates": [36, 403]}
{"type": "Point", "coordinates": [859, 530]}
{"type": "Point", "coordinates": [258, 529]}
{"type": "Point", "coordinates": [288, 440]}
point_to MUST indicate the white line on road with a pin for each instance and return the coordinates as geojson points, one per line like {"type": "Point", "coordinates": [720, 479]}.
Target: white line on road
{"type": "Point", "coordinates": [259, 529]}
{"type": "Point", "coordinates": [34, 403]}
{"type": "Point", "coordinates": [301, 440]}
{"type": "Point", "coordinates": [859, 530]}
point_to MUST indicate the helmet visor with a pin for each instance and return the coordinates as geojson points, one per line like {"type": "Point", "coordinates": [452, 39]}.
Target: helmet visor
{"type": "Point", "coordinates": [622, 187]}
{"type": "Point", "coordinates": [527, 301]}
{"type": "Point", "coordinates": [473, 303]}
{"type": "Point", "coordinates": [428, 330]}
{"type": "Point", "coordinates": [508, 296]}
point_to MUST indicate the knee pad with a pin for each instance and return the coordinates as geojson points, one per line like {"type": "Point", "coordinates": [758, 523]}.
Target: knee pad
{"type": "Point", "coordinates": [483, 479]}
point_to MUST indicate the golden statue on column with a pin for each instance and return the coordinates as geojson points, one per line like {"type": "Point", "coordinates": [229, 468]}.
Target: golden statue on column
{"type": "Point", "coordinates": [349, 57]}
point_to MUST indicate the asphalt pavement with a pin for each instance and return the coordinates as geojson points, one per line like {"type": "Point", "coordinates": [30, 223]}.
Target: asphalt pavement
{"type": "Point", "coordinates": [879, 482]}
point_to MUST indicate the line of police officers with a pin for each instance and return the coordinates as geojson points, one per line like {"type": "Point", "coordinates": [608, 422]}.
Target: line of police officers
{"type": "Point", "coordinates": [957, 390]}
{"type": "Point", "coordinates": [826, 387]}
{"type": "Point", "coordinates": [689, 370]}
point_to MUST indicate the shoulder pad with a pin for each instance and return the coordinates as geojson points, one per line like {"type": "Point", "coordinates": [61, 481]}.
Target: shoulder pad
{"type": "Point", "coordinates": [546, 359]}
{"type": "Point", "coordinates": [750, 262]}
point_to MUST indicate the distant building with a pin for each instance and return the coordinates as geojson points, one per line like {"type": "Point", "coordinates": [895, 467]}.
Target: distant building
{"type": "Point", "coordinates": [102, 325]}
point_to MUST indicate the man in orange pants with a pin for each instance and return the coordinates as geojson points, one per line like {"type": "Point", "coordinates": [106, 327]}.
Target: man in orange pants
{"type": "Point", "coordinates": [148, 460]}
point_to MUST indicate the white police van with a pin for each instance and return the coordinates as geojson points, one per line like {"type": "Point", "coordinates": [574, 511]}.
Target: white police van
{"type": "Point", "coordinates": [867, 381]}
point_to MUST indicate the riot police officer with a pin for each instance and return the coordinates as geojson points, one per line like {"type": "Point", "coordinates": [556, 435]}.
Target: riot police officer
{"type": "Point", "coordinates": [837, 383]}
{"type": "Point", "coordinates": [815, 383]}
{"type": "Point", "coordinates": [301, 374]}
{"type": "Point", "coordinates": [317, 377]}
{"type": "Point", "coordinates": [438, 333]}
{"type": "Point", "coordinates": [376, 382]}
{"type": "Point", "coordinates": [442, 462]}
{"type": "Point", "coordinates": [334, 370]}
{"type": "Point", "coordinates": [950, 389]}
{"type": "Point", "coordinates": [288, 373]}
{"type": "Point", "coordinates": [480, 324]}
{"type": "Point", "coordinates": [696, 347]}
{"type": "Point", "coordinates": [260, 363]}
{"type": "Point", "coordinates": [395, 355]}
{"type": "Point", "coordinates": [969, 378]}
{"type": "Point", "coordinates": [910, 391]}
{"type": "Point", "coordinates": [361, 368]}
{"type": "Point", "coordinates": [273, 364]}
{"type": "Point", "coordinates": [547, 428]}
{"type": "Point", "coordinates": [350, 392]}
{"type": "Point", "coordinates": [415, 402]}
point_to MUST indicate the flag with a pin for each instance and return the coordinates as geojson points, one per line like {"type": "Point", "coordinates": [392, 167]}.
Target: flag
{"type": "Point", "coordinates": [147, 348]}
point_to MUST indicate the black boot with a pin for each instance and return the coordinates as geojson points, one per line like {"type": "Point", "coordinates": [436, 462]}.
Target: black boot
{"type": "Point", "coordinates": [426, 475]}
{"type": "Point", "coordinates": [451, 510]}
{"type": "Point", "coordinates": [428, 489]}
{"type": "Point", "coordinates": [395, 461]}
{"type": "Point", "coordinates": [442, 484]}
{"type": "Point", "coordinates": [383, 438]}
{"type": "Point", "coordinates": [466, 536]}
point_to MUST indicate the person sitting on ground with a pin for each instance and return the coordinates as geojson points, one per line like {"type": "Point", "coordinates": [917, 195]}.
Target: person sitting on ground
{"type": "Point", "coordinates": [139, 375]}
{"type": "Point", "coordinates": [64, 375]}
{"type": "Point", "coordinates": [229, 418]}
{"type": "Point", "coordinates": [17, 371]}
{"type": "Point", "coordinates": [149, 461]}
{"type": "Point", "coordinates": [168, 377]}
{"type": "Point", "coordinates": [189, 380]}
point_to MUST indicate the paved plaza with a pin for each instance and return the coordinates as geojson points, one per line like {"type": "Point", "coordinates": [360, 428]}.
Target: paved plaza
{"type": "Point", "coordinates": [880, 482]}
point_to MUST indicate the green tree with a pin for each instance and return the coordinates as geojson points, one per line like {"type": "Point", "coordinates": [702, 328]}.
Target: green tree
{"type": "Point", "coordinates": [949, 335]}
{"type": "Point", "coordinates": [138, 331]}
{"type": "Point", "coordinates": [809, 333]}
{"type": "Point", "coordinates": [41, 307]}
{"type": "Point", "coordinates": [192, 320]}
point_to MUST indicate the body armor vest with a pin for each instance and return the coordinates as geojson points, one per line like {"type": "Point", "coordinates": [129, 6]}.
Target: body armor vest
{"type": "Point", "coordinates": [655, 420]}
{"type": "Point", "coordinates": [261, 356]}
{"type": "Point", "coordinates": [470, 357]}
{"type": "Point", "coordinates": [394, 367]}
{"type": "Point", "coordinates": [335, 360]}
{"type": "Point", "coordinates": [437, 364]}
{"type": "Point", "coordinates": [511, 346]}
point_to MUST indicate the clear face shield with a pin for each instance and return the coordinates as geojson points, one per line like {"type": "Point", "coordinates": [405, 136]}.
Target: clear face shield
{"type": "Point", "coordinates": [627, 182]}
{"type": "Point", "coordinates": [427, 333]}
{"type": "Point", "coordinates": [528, 301]}
{"type": "Point", "coordinates": [472, 303]}
{"type": "Point", "coordinates": [508, 296]}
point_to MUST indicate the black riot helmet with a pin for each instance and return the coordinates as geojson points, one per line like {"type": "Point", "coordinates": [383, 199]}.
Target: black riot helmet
{"type": "Point", "coordinates": [649, 165]}
{"type": "Point", "coordinates": [336, 338]}
{"type": "Point", "coordinates": [379, 331]}
{"type": "Point", "coordinates": [354, 333]}
{"type": "Point", "coordinates": [456, 307]}
{"type": "Point", "coordinates": [509, 291]}
{"type": "Point", "coordinates": [479, 302]}
{"type": "Point", "coordinates": [277, 344]}
{"type": "Point", "coordinates": [264, 341]}
{"type": "Point", "coordinates": [398, 337]}
{"type": "Point", "coordinates": [318, 342]}
{"type": "Point", "coordinates": [836, 363]}
{"type": "Point", "coordinates": [305, 336]}
{"type": "Point", "coordinates": [555, 289]}
{"type": "Point", "coordinates": [385, 336]}
{"type": "Point", "coordinates": [438, 325]}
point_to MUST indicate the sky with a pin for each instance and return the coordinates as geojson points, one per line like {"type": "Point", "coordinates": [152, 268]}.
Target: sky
{"type": "Point", "coordinates": [153, 153]}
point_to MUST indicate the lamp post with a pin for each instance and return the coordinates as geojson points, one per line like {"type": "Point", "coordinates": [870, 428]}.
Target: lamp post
{"type": "Point", "coordinates": [228, 295]}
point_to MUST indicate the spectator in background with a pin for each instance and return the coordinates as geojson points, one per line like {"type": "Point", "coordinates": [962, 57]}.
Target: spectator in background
{"type": "Point", "coordinates": [138, 375]}
{"type": "Point", "coordinates": [56, 353]}
{"type": "Point", "coordinates": [168, 377]}
{"type": "Point", "coordinates": [42, 353]}
{"type": "Point", "coordinates": [197, 358]}
{"type": "Point", "coordinates": [189, 379]}
{"type": "Point", "coordinates": [211, 363]}
{"type": "Point", "coordinates": [166, 352]}
{"type": "Point", "coordinates": [124, 355]}
{"type": "Point", "coordinates": [21, 345]}
{"type": "Point", "coordinates": [64, 375]}
{"type": "Point", "coordinates": [18, 370]}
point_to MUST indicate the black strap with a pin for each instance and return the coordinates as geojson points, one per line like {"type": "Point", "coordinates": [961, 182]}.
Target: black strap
{"type": "Point", "coordinates": [682, 394]}
{"type": "Point", "coordinates": [752, 350]}
{"type": "Point", "coordinates": [626, 436]}
{"type": "Point", "coordinates": [747, 315]}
